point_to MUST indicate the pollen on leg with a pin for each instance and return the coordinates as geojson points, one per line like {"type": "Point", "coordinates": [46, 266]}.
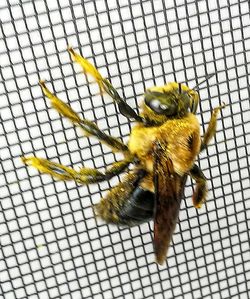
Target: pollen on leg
{"type": "Point", "coordinates": [56, 170]}
{"type": "Point", "coordinates": [64, 109]}
{"type": "Point", "coordinates": [87, 67]}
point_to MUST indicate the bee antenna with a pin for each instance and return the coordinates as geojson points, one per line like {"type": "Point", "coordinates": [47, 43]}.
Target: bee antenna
{"type": "Point", "coordinates": [206, 78]}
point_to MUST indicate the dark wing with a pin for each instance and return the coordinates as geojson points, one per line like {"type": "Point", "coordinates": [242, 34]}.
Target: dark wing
{"type": "Point", "coordinates": [168, 193]}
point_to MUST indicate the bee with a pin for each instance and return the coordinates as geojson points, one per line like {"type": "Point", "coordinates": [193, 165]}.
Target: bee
{"type": "Point", "coordinates": [163, 146]}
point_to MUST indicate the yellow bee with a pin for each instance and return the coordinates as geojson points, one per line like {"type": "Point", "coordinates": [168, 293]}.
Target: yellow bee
{"type": "Point", "coordinates": [163, 146]}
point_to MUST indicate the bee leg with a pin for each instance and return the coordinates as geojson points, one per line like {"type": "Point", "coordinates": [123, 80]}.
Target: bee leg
{"type": "Point", "coordinates": [82, 176]}
{"type": "Point", "coordinates": [87, 126]}
{"type": "Point", "coordinates": [105, 85]}
{"type": "Point", "coordinates": [200, 192]}
{"type": "Point", "coordinates": [211, 130]}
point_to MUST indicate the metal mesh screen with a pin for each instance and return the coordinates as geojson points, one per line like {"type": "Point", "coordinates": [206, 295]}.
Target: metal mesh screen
{"type": "Point", "coordinates": [51, 245]}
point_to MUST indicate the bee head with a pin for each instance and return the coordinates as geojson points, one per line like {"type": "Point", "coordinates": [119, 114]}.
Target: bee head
{"type": "Point", "coordinates": [175, 102]}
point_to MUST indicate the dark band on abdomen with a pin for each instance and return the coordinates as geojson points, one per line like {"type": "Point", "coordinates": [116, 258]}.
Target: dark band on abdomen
{"type": "Point", "coordinates": [138, 208]}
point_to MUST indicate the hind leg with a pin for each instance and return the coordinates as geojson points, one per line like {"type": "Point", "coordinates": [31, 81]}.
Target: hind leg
{"type": "Point", "coordinates": [82, 176]}
{"type": "Point", "coordinates": [128, 203]}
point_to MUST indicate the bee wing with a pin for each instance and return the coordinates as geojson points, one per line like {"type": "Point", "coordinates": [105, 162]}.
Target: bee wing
{"type": "Point", "coordinates": [168, 192]}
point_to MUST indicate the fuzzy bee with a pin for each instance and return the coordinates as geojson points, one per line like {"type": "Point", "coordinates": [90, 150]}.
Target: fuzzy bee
{"type": "Point", "coordinates": [163, 146]}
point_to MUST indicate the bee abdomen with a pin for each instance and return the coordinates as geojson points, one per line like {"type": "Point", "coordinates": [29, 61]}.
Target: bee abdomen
{"type": "Point", "coordinates": [138, 208]}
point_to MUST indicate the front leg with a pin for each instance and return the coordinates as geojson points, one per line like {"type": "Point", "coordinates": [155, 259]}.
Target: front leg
{"type": "Point", "coordinates": [82, 176]}
{"type": "Point", "coordinates": [211, 130]}
{"type": "Point", "coordinates": [199, 196]}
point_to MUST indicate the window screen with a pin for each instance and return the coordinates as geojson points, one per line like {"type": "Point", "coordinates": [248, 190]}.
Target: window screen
{"type": "Point", "coordinates": [51, 245]}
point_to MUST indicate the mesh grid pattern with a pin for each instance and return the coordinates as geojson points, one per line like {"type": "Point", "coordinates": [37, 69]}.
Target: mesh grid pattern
{"type": "Point", "coordinates": [51, 245]}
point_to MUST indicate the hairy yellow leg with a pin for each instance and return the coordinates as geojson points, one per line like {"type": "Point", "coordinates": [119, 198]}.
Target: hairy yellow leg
{"type": "Point", "coordinates": [87, 126]}
{"type": "Point", "coordinates": [87, 67]}
{"type": "Point", "coordinates": [104, 85]}
{"type": "Point", "coordinates": [83, 176]}
{"type": "Point", "coordinates": [211, 130]}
